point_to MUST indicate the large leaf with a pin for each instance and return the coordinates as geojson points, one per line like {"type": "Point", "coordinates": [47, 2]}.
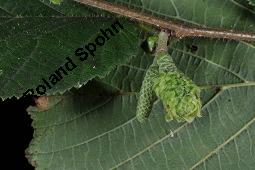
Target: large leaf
{"type": "Point", "coordinates": [36, 43]}
{"type": "Point", "coordinates": [98, 130]}
{"type": "Point", "coordinates": [231, 14]}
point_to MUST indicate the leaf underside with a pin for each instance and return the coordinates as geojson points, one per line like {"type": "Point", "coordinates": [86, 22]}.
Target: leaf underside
{"type": "Point", "coordinates": [85, 130]}
{"type": "Point", "coordinates": [89, 130]}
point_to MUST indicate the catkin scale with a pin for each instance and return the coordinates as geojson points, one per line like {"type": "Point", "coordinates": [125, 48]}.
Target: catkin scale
{"type": "Point", "coordinates": [147, 95]}
{"type": "Point", "coordinates": [165, 63]}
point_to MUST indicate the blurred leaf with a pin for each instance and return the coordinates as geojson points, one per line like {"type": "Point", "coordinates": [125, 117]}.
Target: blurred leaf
{"type": "Point", "coordinates": [252, 2]}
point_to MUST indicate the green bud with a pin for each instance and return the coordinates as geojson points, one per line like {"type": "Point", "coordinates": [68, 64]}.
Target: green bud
{"type": "Point", "coordinates": [180, 96]}
{"type": "Point", "coordinates": [152, 40]}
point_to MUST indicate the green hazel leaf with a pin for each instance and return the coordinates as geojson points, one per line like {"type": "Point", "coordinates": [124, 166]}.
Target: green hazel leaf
{"type": "Point", "coordinates": [205, 13]}
{"type": "Point", "coordinates": [33, 48]}
{"type": "Point", "coordinates": [37, 54]}
{"type": "Point", "coordinates": [100, 130]}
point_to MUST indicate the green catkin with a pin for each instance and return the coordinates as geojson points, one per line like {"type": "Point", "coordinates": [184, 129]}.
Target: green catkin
{"type": "Point", "coordinates": [147, 96]}
{"type": "Point", "coordinates": [178, 93]}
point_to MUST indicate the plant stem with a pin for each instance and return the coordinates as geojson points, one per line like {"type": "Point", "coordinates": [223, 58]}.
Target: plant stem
{"type": "Point", "coordinates": [176, 29]}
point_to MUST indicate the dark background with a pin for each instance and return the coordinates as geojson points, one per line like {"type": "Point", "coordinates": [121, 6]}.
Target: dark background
{"type": "Point", "coordinates": [16, 134]}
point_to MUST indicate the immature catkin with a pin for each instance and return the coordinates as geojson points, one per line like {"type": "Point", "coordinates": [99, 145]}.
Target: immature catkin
{"type": "Point", "coordinates": [147, 95]}
{"type": "Point", "coordinates": [179, 94]}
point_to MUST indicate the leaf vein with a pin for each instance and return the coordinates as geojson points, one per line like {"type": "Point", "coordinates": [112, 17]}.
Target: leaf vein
{"type": "Point", "coordinates": [232, 138]}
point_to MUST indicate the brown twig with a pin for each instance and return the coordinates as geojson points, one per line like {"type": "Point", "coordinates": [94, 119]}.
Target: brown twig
{"type": "Point", "coordinates": [176, 29]}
